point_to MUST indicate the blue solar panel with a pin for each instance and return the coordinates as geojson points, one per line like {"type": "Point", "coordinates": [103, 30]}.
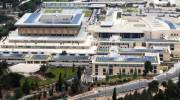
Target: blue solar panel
{"type": "Point", "coordinates": [151, 59]}
{"type": "Point", "coordinates": [133, 59]}
{"type": "Point", "coordinates": [39, 57]}
{"type": "Point", "coordinates": [16, 56]}
{"type": "Point", "coordinates": [32, 17]}
{"type": "Point", "coordinates": [170, 24]}
{"type": "Point", "coordinates": [75, 20]}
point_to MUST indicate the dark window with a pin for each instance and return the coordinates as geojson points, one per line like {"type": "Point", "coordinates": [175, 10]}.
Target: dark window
{"type": "Point", "coordinates": [131, 71]}
{"type": "Point", "coordinates": [123, 71]}
{"type": "Point", "coordinates": [104, 71]}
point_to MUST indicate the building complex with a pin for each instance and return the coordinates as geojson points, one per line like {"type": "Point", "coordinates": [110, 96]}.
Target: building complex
{"type": "Point", "coordinates": [115, 45]}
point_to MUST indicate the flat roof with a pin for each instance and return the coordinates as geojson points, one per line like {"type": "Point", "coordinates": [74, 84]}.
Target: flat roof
{"type": "Point", "coordinates": [131, 24]}
{"type": "Point", "coordinates": [134, 50]}
{"type": "Point", "coordinates": [33, 19]}
{"type": "Point", "coordinates": [134, 59]}
{"type": "Point", "coordinates": [70, 58]}
{"type": "Point", "coordinates": [37, 57]}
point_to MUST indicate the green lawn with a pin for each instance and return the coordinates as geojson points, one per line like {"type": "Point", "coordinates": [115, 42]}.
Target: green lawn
{"type": "Point", "coordinates": [87, 13]}
{"type": "Point", "coordinates": [52, 10]}
{"type": "Point", "coordinates": [65, 71]}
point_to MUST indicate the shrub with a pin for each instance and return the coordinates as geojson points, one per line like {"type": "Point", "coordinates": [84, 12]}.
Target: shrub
{"type": "Point", "coordinates": [49, 75]}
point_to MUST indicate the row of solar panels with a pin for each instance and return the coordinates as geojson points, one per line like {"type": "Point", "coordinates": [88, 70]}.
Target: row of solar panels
{"type": "Point", "coordinates": [131, 50]}
{"type": "Point", "coordinates": [135, 59]}
{"type": "Point", "coordinates": [44, 57]}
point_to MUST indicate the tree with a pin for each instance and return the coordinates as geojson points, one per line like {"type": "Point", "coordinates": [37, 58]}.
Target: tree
{"type": "Point", "coordinates": [135, 72]}
{"type": "Point", "coordinates": [49, 75]}
{"type": "Point", "coordinates": [3, 67]}
{"type": "Point", "coordinates": [43, 68]}
{"type": "Point", "coordinates": [64, 53]}
{"type": "Point", "coordinates": [75, 85]}
{"type": "Point", "coordinates": [51, 92]}
{"type": "Point", "coordinates": [147, 67]}
{"type": "Point", "coordinates": [4, 64]}
{"type": "Point", "coordinates": [79, 73]}
{"type": "Point", "coordinates": [44, 94]}
{"type": "Point", "coordinates": [114, 97]}
{"type": "Point", "coordinates": [3, 31]}
{"type": "Point", "coordinates": [39, 96]}
{"type": "Point", "coordinates": [1, 71]}
{"type": "Point", "coordinates": [168, 4]}
{"type": "Point", "coordinates": [153, 87]}
{"type": "Point", "coordinates": [172, 90]}
{"type": "Point", "coordinates": [136, 95]}
{"type": "Point", "coordinates": [59, 83]}
{"type": "Point", "coordinates": [65, 73]}
{"type": "Point", "coordinates": [164, 84]}
{"type": "Point", "coordinates": [178, 83]}
{"type": "Point", "coordinates": [10, 25]}
{"type": "Point", "coordinates": [160, 95]}
{"type": "Point", "coordinates": [18, 93]}
{"type": "Point", "coordinates": [11, 80]}
{"type": "Point", "coordinates": [107, 78]}
{"type": "Point", "coordinates": [146, 95]}
{"type": "Point", "coordinates": [73, 67]}
{"type": "Point", "coordinates": [34, 85]}
{"type": "Point", "coordinates": [26, 87]}
{"type": "Point", "coordinates": [0, 92]}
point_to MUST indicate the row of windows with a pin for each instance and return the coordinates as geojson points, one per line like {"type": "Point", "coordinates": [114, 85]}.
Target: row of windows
{"type": "Point", "coordinates": [48, 30]}
{"type": "Point", "coordinates": [27, 34]}
{"type": "Point", "coordinates": [122, 65]}
{"type": "Point", "coordinates": [53, 54]}
{"type": "Point", "coordinates": [46, 47]}
{"type": "Point", "coordinates": [122, 71]}
{"type": "Point", "coordinates": [54, 5]}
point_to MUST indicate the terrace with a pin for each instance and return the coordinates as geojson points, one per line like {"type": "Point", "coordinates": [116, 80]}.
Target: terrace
{"type": "Point", "coordinates": [107, 50]}
{"type": "Point", "coordinates": [70, 58]}
{"type": "Point", "coordinates": [38, 57]}
{"type": "Point", "coordinates": [126, 59]}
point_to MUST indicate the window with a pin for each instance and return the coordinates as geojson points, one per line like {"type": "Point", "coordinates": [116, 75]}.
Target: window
{"type": "Point", "coordinates": [123, 71]}
{"type": "Point", "coordinates": [139, 71]}
{"type": "Point", "coordinates": [25, 52]}
{"type": "Point", "coordinates": [131, 71]}
{"type": "Point", "coordinates": [171, 46]}
{"type": "Point", "coordinates": [104, 71]}
{"type": "Point", "coordinates": [155, 71]}
{"type": "Point", "coordinates": [144, 44]}
{"type": "Point", "coordinates": [6, 52]}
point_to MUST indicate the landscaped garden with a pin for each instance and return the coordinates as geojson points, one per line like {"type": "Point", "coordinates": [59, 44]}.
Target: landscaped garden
{"type": "Point", "coordinates": [51, 75]}
{"type": "Point", "coordinates": [87, 13]}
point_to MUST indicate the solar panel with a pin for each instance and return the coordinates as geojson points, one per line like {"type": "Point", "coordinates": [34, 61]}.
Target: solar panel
{"type": "Point", "coordinates": [39, 57]}
{"type": "Point", "coordinates": [126, 59]}
{"type": "Point", "coordinates": [76, 18]}
{"type": "Point", "coordinates": [70, 58]}
{"type": "Point", "coordinates": [32, 17]}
